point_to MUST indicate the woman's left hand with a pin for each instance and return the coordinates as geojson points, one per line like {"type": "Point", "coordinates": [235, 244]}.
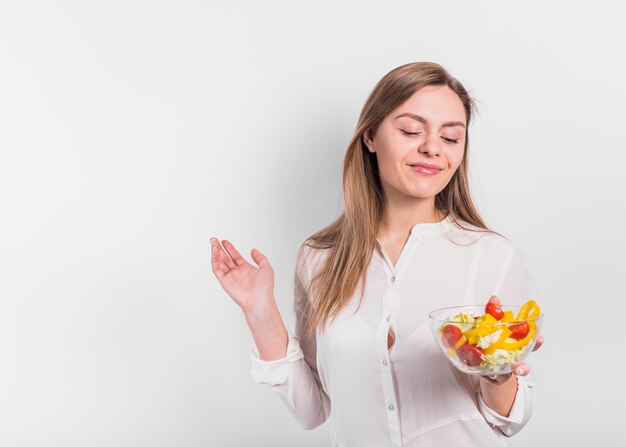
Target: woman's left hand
{"type": "Point", "coordinates": [519, 368]}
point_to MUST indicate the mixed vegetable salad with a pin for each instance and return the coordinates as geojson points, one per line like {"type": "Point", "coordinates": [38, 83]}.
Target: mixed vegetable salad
{"type": "Point", "coordinates": [492, 341]}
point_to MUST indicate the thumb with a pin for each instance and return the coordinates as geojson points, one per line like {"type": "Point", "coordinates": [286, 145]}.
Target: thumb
{"type": "Point", "coordinates": [520, 368]}
{"type": "Point", "coordinates": [260, 259]}
{"type": "Point", "coordinates": [495, 300]}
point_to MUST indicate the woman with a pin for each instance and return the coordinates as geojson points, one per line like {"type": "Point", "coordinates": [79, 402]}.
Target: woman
{"type": "Point", "coordinates": [409, 241]}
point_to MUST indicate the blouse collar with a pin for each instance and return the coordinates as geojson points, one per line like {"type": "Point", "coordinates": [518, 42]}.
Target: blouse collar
{"type": "Point", "coordinates": [433, 228]}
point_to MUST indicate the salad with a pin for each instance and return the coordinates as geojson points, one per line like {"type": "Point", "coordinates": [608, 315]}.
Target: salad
{"type": "Point", "coordinates": [493, 341]}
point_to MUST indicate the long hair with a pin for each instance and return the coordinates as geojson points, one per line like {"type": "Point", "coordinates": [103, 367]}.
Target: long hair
{"type": "Point", "coordinates": [350, 240]}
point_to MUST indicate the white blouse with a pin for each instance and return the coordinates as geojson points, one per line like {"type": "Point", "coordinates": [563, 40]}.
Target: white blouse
{"type": "Point", "coordinates": [408, 395]}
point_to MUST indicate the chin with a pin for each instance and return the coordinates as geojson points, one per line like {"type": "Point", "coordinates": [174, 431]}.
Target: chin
{"type": "Point", "coordinates": [422, 195]}
{"type": "Point", "coordinates": [423, 192]}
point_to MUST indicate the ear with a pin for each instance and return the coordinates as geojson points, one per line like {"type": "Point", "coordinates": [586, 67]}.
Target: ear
{"type": "Point", "coordinates": [367, 141]}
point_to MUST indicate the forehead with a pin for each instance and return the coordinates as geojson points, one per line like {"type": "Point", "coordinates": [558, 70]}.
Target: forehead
{"type": "Point", "coordinates": [436, 103]}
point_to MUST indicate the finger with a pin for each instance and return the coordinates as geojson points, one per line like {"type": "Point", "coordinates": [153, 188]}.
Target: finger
{"type": "Point", "coordinates": [259, 258]}
{"type": "Point", "coordinates": [497, 378]}
{"type": "Point", "coordinates": [219, 269]}
{"type": "Point", "coordinates": [520, 368]}
{"type": "Point", "coordinates": [226, 264]}
{"type": "Point", "coordinates": [538, 343]}
{"type": "Point", "coordinates": [495, 300]}
{"type": "Point", "coordinates": [234, 254]}
{"type": "Point", "coordinates": [226, 260]}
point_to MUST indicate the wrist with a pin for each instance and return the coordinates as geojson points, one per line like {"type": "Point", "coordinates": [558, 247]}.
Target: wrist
{"type": "Point", "coordinates": [268, 330]}
{"type": "Point", "coordinates": [499, 396]}
{"type": "Point", "coordinates": [263, 311]}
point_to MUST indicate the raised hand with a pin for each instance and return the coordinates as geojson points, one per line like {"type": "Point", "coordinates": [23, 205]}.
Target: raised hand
{"type": "Point", "coordinates": [250, 287]}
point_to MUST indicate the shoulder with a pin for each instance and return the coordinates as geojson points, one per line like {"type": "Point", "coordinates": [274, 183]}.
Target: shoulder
{"type": "Point", "coordinates": [310, 252]}
{"type": "Point", "coordinates": [309, 258]}
{"type": "Point", "coordinates": [495, 243]}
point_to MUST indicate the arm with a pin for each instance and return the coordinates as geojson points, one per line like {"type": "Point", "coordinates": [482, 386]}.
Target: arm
{"type": "Point", "coordinates": [268, 330]}
{"type": "Point", "coordinates": [292, 375]}
{"type": "Point", "coordinates": [520, 409]}
{"type": "Point", "coordinates": [508, 405]}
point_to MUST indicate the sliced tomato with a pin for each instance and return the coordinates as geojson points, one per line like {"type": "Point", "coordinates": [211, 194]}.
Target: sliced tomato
{"type": "Point", "coordinates": [450, 335]}
{"type": "Point", "coordinates": [471, 355]}
{"type": "Point", "coordinates": [519, 331]}
{"type": "Point", "coordinates": [495, 310]}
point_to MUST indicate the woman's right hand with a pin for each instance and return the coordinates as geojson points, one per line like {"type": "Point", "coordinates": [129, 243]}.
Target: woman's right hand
{"type": "Point", "coordinates": [250, 287]}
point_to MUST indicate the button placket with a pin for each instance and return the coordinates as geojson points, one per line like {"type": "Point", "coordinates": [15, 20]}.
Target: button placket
{"type": "Point", "coordinates": [391, 303]}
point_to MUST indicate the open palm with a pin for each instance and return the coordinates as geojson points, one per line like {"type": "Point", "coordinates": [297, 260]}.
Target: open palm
{"type": "Point", "coordinates": [244, 283]}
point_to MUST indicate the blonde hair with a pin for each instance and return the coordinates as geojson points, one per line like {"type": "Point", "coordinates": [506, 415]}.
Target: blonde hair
{"type": "Point", "coordinates": [351, 238]}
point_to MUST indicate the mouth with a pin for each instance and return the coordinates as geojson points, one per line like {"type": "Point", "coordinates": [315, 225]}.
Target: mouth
{"type": "Point", "coordinates": [425, 169]}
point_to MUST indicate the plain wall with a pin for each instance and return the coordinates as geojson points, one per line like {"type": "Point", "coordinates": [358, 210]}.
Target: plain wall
{"type": "Point", "coordinates": [131, 132]}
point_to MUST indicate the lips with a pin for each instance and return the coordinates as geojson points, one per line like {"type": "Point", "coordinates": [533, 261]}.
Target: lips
{"type": "Point", "coordinates": [426, 168]}
{"type": "Point", "coordinates": [427, 165]}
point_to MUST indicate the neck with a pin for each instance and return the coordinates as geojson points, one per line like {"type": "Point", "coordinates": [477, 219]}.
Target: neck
{"type": "Point", "coordinates": [400, 215]}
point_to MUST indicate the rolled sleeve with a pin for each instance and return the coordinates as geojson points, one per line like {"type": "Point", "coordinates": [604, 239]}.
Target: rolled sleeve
{"type": "Point", "coordinates": [520, 411]}
{"type": "Point", "coordinates": [275, 372]}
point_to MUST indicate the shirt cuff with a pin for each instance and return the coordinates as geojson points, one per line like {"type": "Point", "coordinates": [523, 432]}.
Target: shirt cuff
{"type": "Point", "coordinates": [518, 410]}
{"type": "Point", "coordinates": [275, 372]}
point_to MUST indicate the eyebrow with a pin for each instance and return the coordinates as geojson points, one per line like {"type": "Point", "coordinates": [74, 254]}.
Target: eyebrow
{"type": "Point", "coordinates": [423, 120]}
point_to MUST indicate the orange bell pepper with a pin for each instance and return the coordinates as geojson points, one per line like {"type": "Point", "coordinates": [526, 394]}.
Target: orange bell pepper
{"type": "Point", "coordinates": [485, 325]}
{"type": "Point", "coordinates": [498, 343]}
{"type": "Point", "coordinates": [529, 310]}
{"type": "Point", "coordinates": [523, 342]}
{"type": "Point", "coordinates": [460, 342]}
{"type": "Point", "coordinates": [508, 316]}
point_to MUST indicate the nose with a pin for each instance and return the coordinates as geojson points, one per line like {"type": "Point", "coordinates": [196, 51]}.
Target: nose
{"type": "Point", "coordinates": [430, 145]}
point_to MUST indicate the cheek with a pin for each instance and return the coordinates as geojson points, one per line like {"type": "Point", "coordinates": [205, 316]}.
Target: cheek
{"type": "Point", "coordinates": [390, 155]}
{"type": "Point", "coordinates": [455, 158]}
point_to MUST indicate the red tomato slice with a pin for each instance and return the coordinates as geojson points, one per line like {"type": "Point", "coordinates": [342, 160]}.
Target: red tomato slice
{"type": "Point", "coordinates": [471, 355]}
{"type": "Point", "coordinates": [495, 310]}
{"type": "Point", "coordinates": [450, 335]}
{"type": "Point", "coordinates": [519, 331]}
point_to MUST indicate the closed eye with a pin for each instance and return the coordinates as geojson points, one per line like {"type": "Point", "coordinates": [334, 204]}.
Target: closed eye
{"type": "Point", "coordinates": [447, 140]}
{"type": "Point", "coordinates": [450, 140]}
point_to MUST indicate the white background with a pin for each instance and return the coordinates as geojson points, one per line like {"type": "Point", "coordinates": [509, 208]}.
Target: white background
{"type": "Point", "coordinates": [131, 132]}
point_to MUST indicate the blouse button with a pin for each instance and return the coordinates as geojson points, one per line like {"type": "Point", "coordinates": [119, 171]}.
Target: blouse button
{"type": "Point", "coordinates": [391, 407]}
{"type": "Point", "coordinates": [385, 362]}
{"type": "Point", "coordinates": [393, 279]}
{"type": "Point", "coordinates": [388, 317]}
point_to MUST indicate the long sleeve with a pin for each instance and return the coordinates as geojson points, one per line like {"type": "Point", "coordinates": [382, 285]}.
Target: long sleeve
{"type": "Point", "coordinates": [512, 288]}
{"type": "Point", "coordinates": [295, 378]}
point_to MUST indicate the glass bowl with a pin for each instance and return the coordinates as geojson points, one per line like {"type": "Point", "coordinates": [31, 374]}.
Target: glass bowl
{"type": "Point", "coordinates": [477, 343]}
